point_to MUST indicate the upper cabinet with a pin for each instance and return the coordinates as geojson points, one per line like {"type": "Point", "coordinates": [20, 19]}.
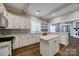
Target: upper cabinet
{"type": "Point", "coordinates": [17, 22]}
{"type": "Point", "coordinates": [22, 21]}
{"type": "Point", "coordinates": [14, 21]}
{"type": "Point", "coordinates": [3, 19]}
{"type": "Point", "coordinates": [10, 19]}
{"type": "Point", "coordinates": [28, 23]}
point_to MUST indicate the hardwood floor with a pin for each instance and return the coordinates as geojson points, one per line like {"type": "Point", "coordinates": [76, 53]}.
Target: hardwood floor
{"type": "Point", "coordinates": [30, 50]}
{"type": "Point", "coordinates": [72, 49]}
{"type": "Point", "coordinates": [33, 50]}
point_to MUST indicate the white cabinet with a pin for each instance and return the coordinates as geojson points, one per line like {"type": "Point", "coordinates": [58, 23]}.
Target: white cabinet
{"type": "Point", "coordinates": [64, 39]}
{"type": "Point", "coordinates": [10, 19]}
{"type": "Point", "coordinates": [49, 48]}
{"type": "Point", "coordinates": [34, 38]}
{"type": "Point", "coordinates": [27, 23]}
{"type": "Point", "coordinates": [22, 22]}
{"type": "Point", "coordinates": [55, 48]}
{"type": "Point", "coordinates": [23, 40]}
{"type": "Point", "coordinates": [16, 42]}
{"type": "Point", "coordinates": [30, 39]}
{"type": "Point", "coordinates": [37, 39]}
{"type": "Point", "coordinates": [16, 22]}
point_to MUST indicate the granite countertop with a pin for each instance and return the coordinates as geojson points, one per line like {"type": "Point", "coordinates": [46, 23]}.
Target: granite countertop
{"type": "Point", "coordinates": [49, 37]}
{"type": "Point", "coordinates": [2, 36]}
{"type": "Point", "coordinates": [20, 34]}
{"type": "Point", "coordinates": [59, 33]}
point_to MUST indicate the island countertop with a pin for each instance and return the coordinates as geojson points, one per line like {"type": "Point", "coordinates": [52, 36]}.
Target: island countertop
{"type": "Point", "coordinates": [49, 37]}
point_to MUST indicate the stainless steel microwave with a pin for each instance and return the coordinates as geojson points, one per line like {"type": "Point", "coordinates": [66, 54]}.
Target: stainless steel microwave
{"type": "Point", "coordinates": [3, 21]}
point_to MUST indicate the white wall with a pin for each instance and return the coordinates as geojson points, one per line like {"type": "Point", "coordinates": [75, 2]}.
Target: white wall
{"type": "Point", "coordinates": [69, 17]}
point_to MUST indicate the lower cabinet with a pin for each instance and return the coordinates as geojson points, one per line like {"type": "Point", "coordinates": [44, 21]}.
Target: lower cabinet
{"type": "Point", "coordinates": [64, 39]}
{"type": "Point", "coordinates": [16, 42]}
{"type": "Point", "coordinates": [25, 39]}
{"type": "Point", "coordinates": [49, 48]}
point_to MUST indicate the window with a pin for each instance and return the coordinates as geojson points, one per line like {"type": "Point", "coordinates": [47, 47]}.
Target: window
{"type": "Point", "coordinates": [35, 26]}
{"type": "Point", "coordinates": [52, 28]}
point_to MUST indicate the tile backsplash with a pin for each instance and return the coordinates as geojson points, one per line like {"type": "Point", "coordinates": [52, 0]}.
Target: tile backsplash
{"type": "Point", "coordinates": [14, 31]}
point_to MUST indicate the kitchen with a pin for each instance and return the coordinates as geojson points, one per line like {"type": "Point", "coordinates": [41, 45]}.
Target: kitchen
{"type": "Point", "coordinates": [39, 29]}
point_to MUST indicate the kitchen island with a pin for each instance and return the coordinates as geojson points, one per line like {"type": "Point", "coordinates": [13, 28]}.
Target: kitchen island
{"type": "Point", "coordinates": [49, 45]}
{"type": "Point", "coordinates": [64, 37]}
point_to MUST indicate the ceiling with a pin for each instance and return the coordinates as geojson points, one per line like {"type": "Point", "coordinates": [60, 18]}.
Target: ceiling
{"type": "Point", "coordinates": [43, 10]}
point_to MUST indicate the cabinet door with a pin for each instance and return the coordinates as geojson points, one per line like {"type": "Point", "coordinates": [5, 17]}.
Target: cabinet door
{"type": "Point", "coordinates": [30, 38]}
{"type": "Point", "coordinates": [10, 19]}
{"type": "Point", "coordinates": [36, 38]}
{"type": "Point", "coordinates": [64, 39]}
{"type": "Point", "coordinates": [25, 40]}
{"type": "Point", "coordinates": [16, 22]}
{"type": "Point", "coordinates": [27, 23]}
{"type": "Point", "coordinates": [21, 40]}
{"type": "Point", "coordinates": [16, 42]}
{"type": "Point", "coordinates": [44, 47]}
{"type": "Point", "coordinates": [22, 22]}
{"type": "Point", "coordinates": [53, 46]}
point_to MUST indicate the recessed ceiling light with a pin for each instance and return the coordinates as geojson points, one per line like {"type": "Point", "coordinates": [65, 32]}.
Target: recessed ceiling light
{"type": "Point", "coordinates": [37, 12]}
{"type": "Point", "coordinates": [53, 14]}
